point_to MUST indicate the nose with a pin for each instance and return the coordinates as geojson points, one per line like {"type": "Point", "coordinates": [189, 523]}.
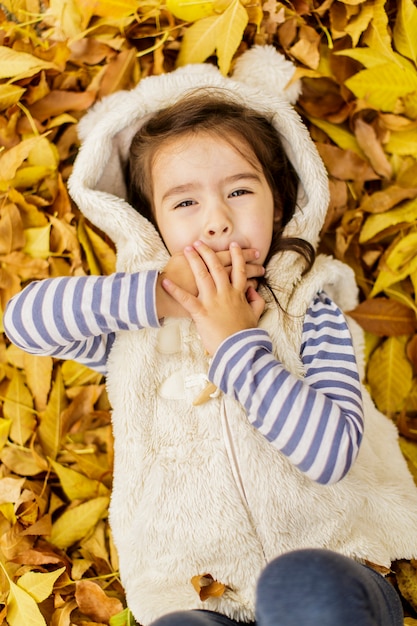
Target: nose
{"type": "Point", "coordinates": [218, 221]}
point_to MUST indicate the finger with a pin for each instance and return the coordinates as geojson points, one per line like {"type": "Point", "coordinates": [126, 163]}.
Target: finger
{"type": "Point", "coordinates": [215, 268]}
{"type": "Point", "coordinates": [200, 269]}
{"type": "Point", "coordinates": [238, 275]}
{"type": "Point", "coordinates": [257, 303]}
{"type": "Point", "coordinates": [189, 302]}
{"type": "Point", "coordinates": [254, 271]}
{"type": "Point", "coordinates": [249, 254]}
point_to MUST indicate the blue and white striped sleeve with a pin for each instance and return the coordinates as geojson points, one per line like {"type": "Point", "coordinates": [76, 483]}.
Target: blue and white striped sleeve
{"type": "Point", "coordinates": [317, 421]}
{"type": "Point", "coordinates": [77, 317]}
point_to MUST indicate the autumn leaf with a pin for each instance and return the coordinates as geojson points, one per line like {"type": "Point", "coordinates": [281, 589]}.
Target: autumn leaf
{"type": "Point", "coordinates": [18, 65]}
{"type": "Point", "coordinates": [207, 587]}
{"type": "Point", "coordinates": [191, 11]}
{"type": "Point", "coordinates": [390, 375]}
{"type": "Point", "coordinates": [405, 30]}
{"type": "Point", "coordinates": [50, 427]}
{"type": "Point", "coordinates": [76, 486]}
{"type": "Point", "coordinates": [77, 522]}
{"type": "Point", "coordinates": [385, 317]}
{"type": "Point", "coordinates": [93, 602]}
{"type": "Point", "coordinates": [18, 407]}
{"type": "Point", "coordinates": [39, 585]}
{"type": "Point", "coordinates": [230, 29]}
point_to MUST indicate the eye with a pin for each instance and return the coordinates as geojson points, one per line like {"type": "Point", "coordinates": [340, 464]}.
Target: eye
{"type": "Point", "coordinates": [239, 192]}
{"type": "Point", "coordinates": [184, 203]}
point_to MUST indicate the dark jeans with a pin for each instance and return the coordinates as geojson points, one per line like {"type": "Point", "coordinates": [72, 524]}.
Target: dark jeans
{"type": "Point", "coordinates": [312, 588]}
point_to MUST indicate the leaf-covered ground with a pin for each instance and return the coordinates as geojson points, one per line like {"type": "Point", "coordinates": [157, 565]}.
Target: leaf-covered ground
{"type": "Point", "coordinates": [357, 60]}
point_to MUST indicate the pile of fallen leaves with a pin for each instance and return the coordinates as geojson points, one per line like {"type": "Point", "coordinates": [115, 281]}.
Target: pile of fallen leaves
{"type": "Point", "coordinates": [357, 60]}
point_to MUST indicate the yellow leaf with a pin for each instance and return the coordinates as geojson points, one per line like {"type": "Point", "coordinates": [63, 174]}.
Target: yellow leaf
{"type": "Point", "coordinates": [49, 429]}
{"type": "Point", "coordinates": [44, 154]}
{"type": "Point", "coordinates": [38, 372]}
{"type": "Point", "coordinates": [84, 240]}
{"type": "Point", "coordinates": [401, 257]}
{"type": "Point", "coordinates": [341, 137]}
{"type": "Point", "coordinates": [7, 509]}
{"type": "Point", "coordinates": [13, 158]}
{"type": "Point", "coordinates": [400, 263]}
{"type": "Point", "coordinates": [109, 8]}
{"type": "Point", "coordinates": [390, 375]}
{"type": "Point", "coordinates": [20, 65]}
{"type": "Point", "coordinates": [22, 608]}
{"type": "Point", "coordinates": [31, 176]}
{"type": "Point", "coordinates": [367, 56]}
{"type": "Point", "coordinates": [230, 29]}
{"type": "Point", "coordinates": [37, 242]}
{"type": "Point", "coordinates": [74, 524]}
{"type": "Point", "coordinates": [191, 10]}
{"type": "Point", "coordinates": [5, 425]}
{"type": "Point", "coordinates": [39, 585]}
{"type": "Point", "coordinates": [18, 407]}
{"type": "Point", "coordinates": [410, 105]}
{"type": "Point", "coordinates": [382, 85]}
{"type": "Point", "coordinates": [68, 17]}
{"type": "Point", "coordinates": [377, 223]}
{"type": "Point", "coordinates": [378, 36]}
{"type": "Point", "coordinates": [105, 255]}
{"type": "Point", "coordinates": [199, 41]}
{"type": "Point", "coordinates": [405, 29]}
{"type": "Point", "coordinates": [402, 143]}
{"type": "Point", "coordinates": [78, 374]}
{"type": "Point", "coordinates": [76, 486]}
{"type": "Point", "coordinates": [10, 94]}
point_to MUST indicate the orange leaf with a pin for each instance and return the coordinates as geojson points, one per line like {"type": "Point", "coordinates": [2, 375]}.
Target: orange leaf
{"type": "Point", "coordinates": [207, 587]}
{"type": "Point", "coordinates": [93, 602]}
{"type": "Point", "coordinates": [385, 317]}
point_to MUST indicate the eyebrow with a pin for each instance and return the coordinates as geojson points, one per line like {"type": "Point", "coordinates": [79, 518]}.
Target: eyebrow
{"type": "Point", "coordinates": [188, 187]}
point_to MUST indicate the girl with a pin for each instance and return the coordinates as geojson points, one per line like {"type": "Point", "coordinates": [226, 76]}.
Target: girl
{"type": "Point", "coordinates": [245, 486]}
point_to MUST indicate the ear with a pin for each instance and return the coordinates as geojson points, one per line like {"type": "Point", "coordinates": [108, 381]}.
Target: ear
{"type": "Point", "coordinates": [270, 71]}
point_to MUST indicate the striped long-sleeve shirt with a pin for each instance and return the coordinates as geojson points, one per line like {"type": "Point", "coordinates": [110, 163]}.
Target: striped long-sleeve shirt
{"type": "Point", "coordinates": [316, 422]}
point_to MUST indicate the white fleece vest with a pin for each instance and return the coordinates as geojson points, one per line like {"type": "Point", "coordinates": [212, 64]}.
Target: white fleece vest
{"type": "Point", "coordinates": [198, 491]}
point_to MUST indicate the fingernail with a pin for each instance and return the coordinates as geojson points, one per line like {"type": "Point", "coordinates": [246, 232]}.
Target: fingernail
{"type": "Point", "coordinates": [234, 244]}
{"type": "Point", "coordinates": [197, 243]}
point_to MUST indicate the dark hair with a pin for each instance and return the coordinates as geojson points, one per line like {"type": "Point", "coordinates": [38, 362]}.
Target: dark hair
{"type": "Point", "coordinates": [208, 111]}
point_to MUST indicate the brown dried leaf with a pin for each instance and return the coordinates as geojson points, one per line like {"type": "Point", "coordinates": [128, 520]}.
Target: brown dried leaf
{"type": "Point", "coordinates": [406, 576]}
{"type": "Point", "coordinates": [11, 229]}
{"type": "Point", "coordinates": [385, 317]}
{"type": "Point", "coordinates": [207, 587]}
{"type": "Point", "coordinates": [306, 49]}
{"type": "Point", "coordinates": [368, 141]}
{"type": "Point", "coordinates": [382, 201]}
{"type": "Point", "coordinates": [93, 602]}
{"type": "Point", "coordinates": [57, 102]}
{"type": "Point", "coordinates": [345, 164]}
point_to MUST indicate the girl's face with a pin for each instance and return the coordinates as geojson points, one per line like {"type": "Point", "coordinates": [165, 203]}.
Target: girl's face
{"type": "Point", "coordinates": [205, 189]}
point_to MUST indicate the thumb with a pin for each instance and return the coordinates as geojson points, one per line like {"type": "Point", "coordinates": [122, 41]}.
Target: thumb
{"type": "Point", "coordinates": [256, 302]}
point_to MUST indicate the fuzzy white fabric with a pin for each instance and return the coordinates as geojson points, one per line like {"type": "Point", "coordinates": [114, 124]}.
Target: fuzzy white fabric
{"type": "Point", "coordinates": [197, 490]}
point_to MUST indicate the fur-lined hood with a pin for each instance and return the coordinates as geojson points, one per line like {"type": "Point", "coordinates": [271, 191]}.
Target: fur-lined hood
{"type": "Point", "coordinates": [260, 80]}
